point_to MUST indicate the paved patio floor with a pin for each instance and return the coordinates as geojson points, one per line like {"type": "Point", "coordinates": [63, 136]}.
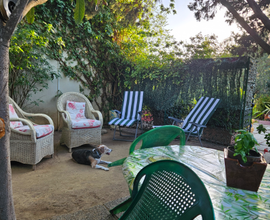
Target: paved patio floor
{"type": "Point", "coordinates": [61, 189]}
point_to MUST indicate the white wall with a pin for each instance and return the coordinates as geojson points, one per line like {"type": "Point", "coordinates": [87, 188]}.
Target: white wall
{"type": "Point", "coordinates": [48, 107]}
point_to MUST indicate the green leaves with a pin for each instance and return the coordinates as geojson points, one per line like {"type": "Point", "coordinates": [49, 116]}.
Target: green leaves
{"type": "Point", "coordinates": [29, 70]}
{"type": "Point", "coordinates": [31, 16]}
{"type": "Point", "coordinates": [79, 11]}
{"type": "Point", "coordinates": [244, 142]}
{"type": "Point", "coordinates": [261, 128]}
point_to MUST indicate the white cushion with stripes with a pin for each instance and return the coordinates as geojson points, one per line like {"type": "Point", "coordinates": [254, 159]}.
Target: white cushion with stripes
{"type": "Point", "coordinates": [132, 104]}
{"type": "Point", "coordinates": [201, 113]}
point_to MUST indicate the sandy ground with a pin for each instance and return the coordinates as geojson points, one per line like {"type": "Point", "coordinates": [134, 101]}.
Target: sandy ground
{"type": "Point", "coordinates": [59, 185]}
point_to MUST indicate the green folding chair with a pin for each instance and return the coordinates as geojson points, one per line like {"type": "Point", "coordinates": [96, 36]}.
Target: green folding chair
{"type": "Point", "coordinates": [161, 136]}
{"type": "Point", "coordinates": [131, 113]}
{"type": "Point", "coordinates": [199, 116]}
{"type": "Point", "coordinates": [170, 190]}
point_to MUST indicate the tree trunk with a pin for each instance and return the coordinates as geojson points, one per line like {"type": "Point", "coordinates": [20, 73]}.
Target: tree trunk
{"type": "Point", "coordinates": [7, 211]}
{"type": "Point", "coordinates": [243, 23]}
{"type": "Point", "coordinates": [259, 13]}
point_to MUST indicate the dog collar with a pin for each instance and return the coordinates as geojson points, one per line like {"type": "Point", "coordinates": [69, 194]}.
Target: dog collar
{"type": "Point", "coordinates": [94, 150]}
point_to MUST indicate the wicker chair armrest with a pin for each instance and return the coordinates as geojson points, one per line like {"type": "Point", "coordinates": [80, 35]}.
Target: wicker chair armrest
{"type": "Point", "coordinates": [66, 118]}
{"type": "Point", "coordinates": [100, 118]}
{"type": "Point", "coordinates": [27, 122]}
{"type": "Point", "coordinates": [40, 115]}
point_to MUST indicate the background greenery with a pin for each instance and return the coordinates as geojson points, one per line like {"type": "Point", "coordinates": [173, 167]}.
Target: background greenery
{"type": "Point", "coordinates": [124, 46]}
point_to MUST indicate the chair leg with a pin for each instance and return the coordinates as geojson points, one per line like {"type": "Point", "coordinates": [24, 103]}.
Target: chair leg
{"type": "Point", "coordinates": [188, 135]}
{"type": "Point", "coordinates": [121, 207]}
{"type": "Point", "coordinates": [190, 132]}
{"type": "Point", "coordinates": [136, 132]}
{"type": "Point", "coordinates": [141, 127]}
{"type": "Point", "coordinates": [114, 132]}
{"type": "Point", "coordinates": [200, 139]}
{"type": "Point", "coordinates": [199, 136]}
{"type": "Point", "coordinates": [34, 167]}
{"type": "Point", "coordinates": [123, 134]}
{"type": "Point", "coordinates": [116, 139]}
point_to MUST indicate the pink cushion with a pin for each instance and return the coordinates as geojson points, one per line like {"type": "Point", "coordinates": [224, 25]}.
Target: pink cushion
{"type": "Point", "coordinates": [13, 114]}
{"type": "Point", "coordinates": [16, 124]}
{"type": "Point", "coordinates": [76, 109]}
{"type": "Point", "coordinates": [41, 130]}
{"type": "Point", "coordinates": [85, 123]}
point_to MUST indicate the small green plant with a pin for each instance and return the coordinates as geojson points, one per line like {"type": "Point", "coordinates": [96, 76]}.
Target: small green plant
{"type": "Point", "coordinates": [261, 106]}
{"type": "Point", "coordinates": [244, 142]}
{"type": "Point", "coordinates": [260, 129]}
{"type": "Point", "coordinates": [267, 138]}
{"type": "Point", "coordinates": [266, 111]}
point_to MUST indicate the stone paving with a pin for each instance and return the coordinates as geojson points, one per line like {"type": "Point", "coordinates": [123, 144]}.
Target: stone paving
{"type": "Point", "coordinates": [260, 138]}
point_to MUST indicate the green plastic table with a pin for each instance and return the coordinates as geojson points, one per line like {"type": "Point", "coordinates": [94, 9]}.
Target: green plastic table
{"type": "Point", "coordinates": [208, 164]}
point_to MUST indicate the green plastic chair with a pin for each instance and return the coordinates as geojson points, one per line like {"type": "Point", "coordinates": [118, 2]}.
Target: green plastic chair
{"type": "Point", "coordinates": [170, 190]}
{"type": "Point", "coordinates": [161, 136]}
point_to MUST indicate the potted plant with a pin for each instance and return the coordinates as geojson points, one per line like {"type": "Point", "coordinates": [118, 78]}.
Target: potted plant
{"type": "Point", "coordinates": [244, 165]}
{"type": "Point", "coordinates": [244, 148]}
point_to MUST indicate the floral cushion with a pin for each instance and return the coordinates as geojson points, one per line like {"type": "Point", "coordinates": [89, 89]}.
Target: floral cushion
{"type": "Point", "coordinates": [76, 109]}
{"type": "Point", "coordinates": [85, 123]}
{"type": "Point", "coordinates": [41, 130]}
{"type": "Point", "coordinates": [13, 114]}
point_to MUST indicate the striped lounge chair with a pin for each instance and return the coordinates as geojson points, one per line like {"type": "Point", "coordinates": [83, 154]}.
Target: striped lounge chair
{"type": "Point", "coordinates": [199, 116]}
{"type": "Point", "coordinates": [131, 113]}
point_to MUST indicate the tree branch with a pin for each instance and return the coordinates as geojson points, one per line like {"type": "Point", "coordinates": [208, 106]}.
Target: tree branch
{"type": "Point", "coordinates": [14, 19]}
{"type": "Point", "coordinates": [244, 24]}
{"type": "Point", "coordinates": [31, 4]}
{"type": "Point", "coordinates": [259, 14]}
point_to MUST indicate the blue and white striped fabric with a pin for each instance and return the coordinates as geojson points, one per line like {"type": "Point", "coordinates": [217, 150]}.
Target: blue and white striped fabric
{"type": "Point", "coordinates": [200, 114]}
{"type": "Point", "coordinates": [132, 104]}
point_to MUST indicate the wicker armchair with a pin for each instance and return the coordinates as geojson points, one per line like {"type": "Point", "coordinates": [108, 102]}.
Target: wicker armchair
{"type": "Point", "coordinates": [75, 137]}
{"type": "Point", "coordinates": [25, 147]}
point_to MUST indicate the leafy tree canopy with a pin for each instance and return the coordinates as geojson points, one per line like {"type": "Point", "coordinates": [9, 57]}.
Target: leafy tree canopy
{"type": "Point", "coordinates": [29, 70]}
{"type": "Point", "coordinates": [251, 15]}
{"type": "Point", "coordinates": [107, 50]}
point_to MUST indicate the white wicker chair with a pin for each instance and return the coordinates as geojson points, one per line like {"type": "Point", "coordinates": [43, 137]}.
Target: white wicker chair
{"type": "Point", "coordinates": [26, 148]}
{"type": "Point", "coordinates": [77, 137]}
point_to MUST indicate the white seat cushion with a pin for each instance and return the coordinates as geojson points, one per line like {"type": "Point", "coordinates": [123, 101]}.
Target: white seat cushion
{"type": "Point", "coordinates": [85, 123]}
{"type": "Point", "coordinates": [41, 130]}
{"type": "Point", "coordinates": [13, 114]}
{"type": "Point", "coordinates": [76, 109]}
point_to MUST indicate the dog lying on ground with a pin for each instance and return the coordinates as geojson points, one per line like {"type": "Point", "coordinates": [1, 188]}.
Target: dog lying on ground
{"type": "Point", "coordinates": [92, 157]}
